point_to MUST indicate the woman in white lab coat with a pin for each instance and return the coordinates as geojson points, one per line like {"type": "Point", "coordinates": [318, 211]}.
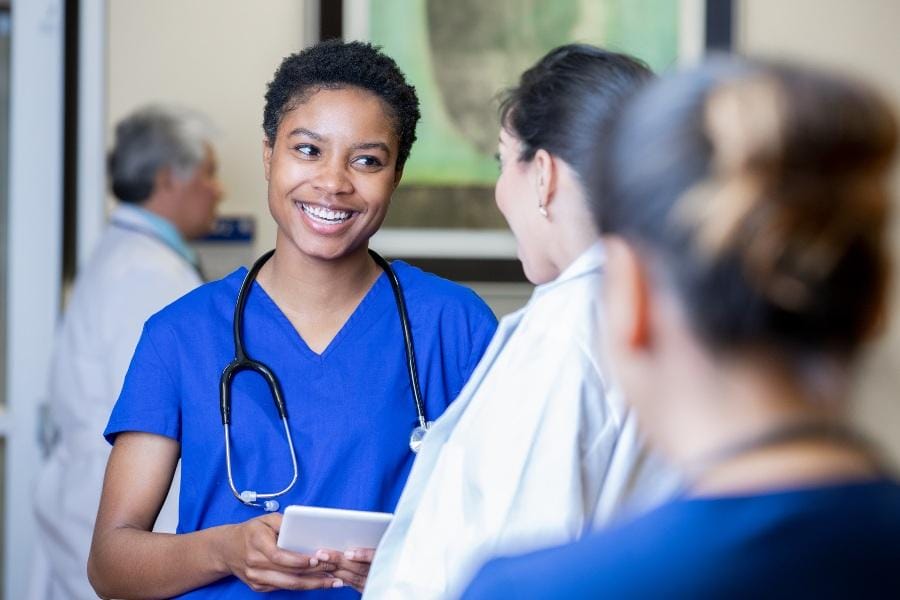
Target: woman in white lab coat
{"type": "Point", "coordinates": [163, 171]}
{"type": "Point", "coordinates": [538, 447]}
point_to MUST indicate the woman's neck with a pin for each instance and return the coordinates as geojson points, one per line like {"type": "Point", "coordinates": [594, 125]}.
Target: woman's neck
{"type": "Point", "coordinates": [317, 295]}
{"type": "Point", "coordinates": [754, 426]}
{"type": "Point", "coordinates": [573, 231]}
{"type": "Point", "coordinates": [802, 463]}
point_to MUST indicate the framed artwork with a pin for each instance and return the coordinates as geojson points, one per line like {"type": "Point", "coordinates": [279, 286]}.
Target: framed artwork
{"type": "Point", "coordinates": [460, 56]}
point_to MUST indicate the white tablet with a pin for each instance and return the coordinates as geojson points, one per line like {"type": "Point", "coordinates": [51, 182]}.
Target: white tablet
{"type": "Point", "coordinates": [306, 529]}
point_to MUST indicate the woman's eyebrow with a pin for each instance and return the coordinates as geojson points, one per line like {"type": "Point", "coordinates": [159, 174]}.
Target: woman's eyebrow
{"type": "Point", "coordinates": [306, 132]}
{"type": "Point", "coordinates": [372, 146]}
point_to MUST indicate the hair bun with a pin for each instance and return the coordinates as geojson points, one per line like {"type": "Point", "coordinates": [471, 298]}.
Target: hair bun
{"type": "Point", "coordinates": [792, 189]}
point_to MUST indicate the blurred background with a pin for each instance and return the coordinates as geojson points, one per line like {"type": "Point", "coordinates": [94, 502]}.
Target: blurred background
{"type": "Point", "coordinates": [70, 69]}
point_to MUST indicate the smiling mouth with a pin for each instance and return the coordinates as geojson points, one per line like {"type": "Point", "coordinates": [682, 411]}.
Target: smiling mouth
{"type": "Point", "coordinates": [325, 215]}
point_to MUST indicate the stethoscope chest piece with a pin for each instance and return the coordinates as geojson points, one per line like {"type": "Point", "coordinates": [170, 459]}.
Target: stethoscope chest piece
{"type": "Point", "coordinates": [418, 436]}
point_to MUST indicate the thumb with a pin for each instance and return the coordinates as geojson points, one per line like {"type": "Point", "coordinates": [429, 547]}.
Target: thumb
{"type": "Point", "coordinates": [273, 520]}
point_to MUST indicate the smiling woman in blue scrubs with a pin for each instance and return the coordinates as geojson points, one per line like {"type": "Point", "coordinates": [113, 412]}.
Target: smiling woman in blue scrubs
{"type": "Point", "coordinates": [339, 123]}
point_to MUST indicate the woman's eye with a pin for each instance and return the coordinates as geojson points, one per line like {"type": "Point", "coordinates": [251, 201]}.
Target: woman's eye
{"type": "Point", "coordinates": [307, 149]}
{"type": "Point", "coordinates": [368, 161]}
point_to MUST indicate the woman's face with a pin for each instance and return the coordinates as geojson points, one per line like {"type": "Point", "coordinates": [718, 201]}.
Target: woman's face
{"type": "Point", "coordinates": [331, 172]}
{"type": "Point", "coordinates": [517, 198]}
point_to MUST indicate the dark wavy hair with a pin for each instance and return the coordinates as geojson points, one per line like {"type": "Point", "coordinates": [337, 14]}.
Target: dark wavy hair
{"type": "Point", "coordinates": [334, 64]}
{"type": "Point", "coordinates": [567, 98]}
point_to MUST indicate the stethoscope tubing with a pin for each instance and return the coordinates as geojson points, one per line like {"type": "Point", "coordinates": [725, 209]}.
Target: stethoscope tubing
{"type": "Point", "coordinates": [408, 347]}
{"type": "Point", "coordinates": [242, 362]}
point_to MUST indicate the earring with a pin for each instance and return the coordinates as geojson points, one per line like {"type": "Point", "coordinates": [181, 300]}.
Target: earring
{"type": "Point", "coordinates": [543, 210]}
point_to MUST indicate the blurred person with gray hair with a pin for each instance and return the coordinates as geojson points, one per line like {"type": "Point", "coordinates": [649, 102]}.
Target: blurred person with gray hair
{"type": "Point", "coordinates": [163, 172]}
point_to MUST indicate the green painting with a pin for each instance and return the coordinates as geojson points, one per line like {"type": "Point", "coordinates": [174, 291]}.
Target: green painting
{"type": "Point", "coordinates": [460, 54]}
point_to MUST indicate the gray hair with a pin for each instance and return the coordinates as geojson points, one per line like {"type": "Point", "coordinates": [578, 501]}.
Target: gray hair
{"type": "Point", "coordinates": [151, 138]}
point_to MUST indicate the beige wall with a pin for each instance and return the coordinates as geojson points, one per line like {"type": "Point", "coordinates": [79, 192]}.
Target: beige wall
{"type": "Point", "coordinates": [860, 38]}
{"type": "Point", "coordinates": [213, 55]}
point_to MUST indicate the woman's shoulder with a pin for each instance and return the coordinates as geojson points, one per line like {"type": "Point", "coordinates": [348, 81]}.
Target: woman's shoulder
{"type": "Point", "coordinates": [202, 304]}
{"type": "Point", "coordinates": [432, 292]}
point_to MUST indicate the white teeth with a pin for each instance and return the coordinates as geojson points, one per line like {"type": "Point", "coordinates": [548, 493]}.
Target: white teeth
{"type": "Point", "coordinates": [325, 214]}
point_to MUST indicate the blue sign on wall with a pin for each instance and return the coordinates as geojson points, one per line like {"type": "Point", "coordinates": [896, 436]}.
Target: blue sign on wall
{"type": "Point", "coordinates": [241, 228]}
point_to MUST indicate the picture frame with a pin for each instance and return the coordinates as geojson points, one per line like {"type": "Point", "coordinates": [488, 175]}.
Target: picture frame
{"type": "Point", "coordinates": [443, 212]}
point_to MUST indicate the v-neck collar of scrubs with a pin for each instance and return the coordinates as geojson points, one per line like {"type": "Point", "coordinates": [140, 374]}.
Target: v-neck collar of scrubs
{"type": "Point", "coordinates": [353, 323]}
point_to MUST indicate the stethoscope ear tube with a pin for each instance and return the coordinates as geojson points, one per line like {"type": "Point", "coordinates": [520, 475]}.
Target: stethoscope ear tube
{"type": "Point", "coordinates": [238, 321]}
{"type": "Point", "coordinates": [408, 347]}
{"type": "Point", "coordinates": [225, 391]}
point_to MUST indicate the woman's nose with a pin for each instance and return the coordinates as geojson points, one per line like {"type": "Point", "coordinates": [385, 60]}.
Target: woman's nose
{"type": "Point", "coordinates": [333, 178]}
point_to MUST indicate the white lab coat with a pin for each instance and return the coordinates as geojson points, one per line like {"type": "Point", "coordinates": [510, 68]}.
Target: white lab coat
{"type": "Point", "coordinates": [129, 277]}
{"type": "Point", "coordinates": [536, 449]}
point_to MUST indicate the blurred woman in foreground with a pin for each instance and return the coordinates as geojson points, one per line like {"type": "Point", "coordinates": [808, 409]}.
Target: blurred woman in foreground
{"type": "Point", "coordinates": [745, 206]}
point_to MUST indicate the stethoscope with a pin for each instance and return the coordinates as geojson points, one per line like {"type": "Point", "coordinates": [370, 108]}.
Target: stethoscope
{"type": "Point", "coordinates": [242, 362]}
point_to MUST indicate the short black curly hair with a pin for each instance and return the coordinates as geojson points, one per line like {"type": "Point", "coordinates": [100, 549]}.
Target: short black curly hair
{"type": "Point", "coordinates": [335, 64]}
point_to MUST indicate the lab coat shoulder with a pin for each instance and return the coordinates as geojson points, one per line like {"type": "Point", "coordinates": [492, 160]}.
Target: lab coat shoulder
{"type": "Point", "coordinates": [138, 276]}
{"type": "Point", "coordinates": [129, 277]}
{"type": "Point", "coordinates": [557, 353]}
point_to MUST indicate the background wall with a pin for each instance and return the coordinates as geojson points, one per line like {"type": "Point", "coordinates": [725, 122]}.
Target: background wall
{"type": "Point", "coordinates": [861, 39]}
{"type": "Point", "coordinates": [214, 56]}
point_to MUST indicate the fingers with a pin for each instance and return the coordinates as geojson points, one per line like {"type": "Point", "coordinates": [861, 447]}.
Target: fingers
{"type": "Point", "coordinates": [292, 561]}
{"type": "Point", "coordinates": [356, 581]}
{"type": "Point", "coordinates": [262, 580]}
{"type": "Point", "coordinates": [355, 559]}
{"type": "Point", "coordinates": [366, 555]}
{"type": "Point", "coordinates": [352, 566]}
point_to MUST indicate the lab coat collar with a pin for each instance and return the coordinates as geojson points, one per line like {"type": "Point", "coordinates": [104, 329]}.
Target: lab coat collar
{"type": "Point", "coordinates": [588, 262]}
{"type": "Point", "coordinates": [156, 226]}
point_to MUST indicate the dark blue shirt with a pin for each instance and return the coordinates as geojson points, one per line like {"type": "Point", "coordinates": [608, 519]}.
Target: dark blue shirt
{"type": "Point", "coordinates": [350, 408]}
{"type": "Point", "coordinates": [830, 542]}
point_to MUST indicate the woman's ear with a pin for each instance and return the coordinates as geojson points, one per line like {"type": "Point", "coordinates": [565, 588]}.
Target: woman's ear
{"type": "Point", "coordinates": [546, 172]}
{"type": "Point", "coordinates": [627, 296]}
{"type": "Point", "coordinates": [267, 149]}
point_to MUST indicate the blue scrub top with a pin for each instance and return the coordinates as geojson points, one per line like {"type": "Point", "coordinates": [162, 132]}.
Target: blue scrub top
{"type": "Point", "coordinates": [350, 409]}
{"type": "Point", "coordinates": [840, 541]}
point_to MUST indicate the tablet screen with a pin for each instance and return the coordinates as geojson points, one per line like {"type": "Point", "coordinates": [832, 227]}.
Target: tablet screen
{"type": "Point", "coordinates": [306, 529]}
